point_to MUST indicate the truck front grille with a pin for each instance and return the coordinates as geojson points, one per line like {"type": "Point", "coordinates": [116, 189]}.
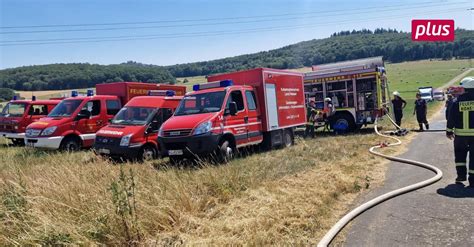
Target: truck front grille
{"type": "Point", "coordinates": [6, 128]}
{"type": "Point", "coordinates": [107, 140]}
{"type": "Point", "coordinates": [177, 133]}
{"type": "Point", "coordinates": [175, 145]}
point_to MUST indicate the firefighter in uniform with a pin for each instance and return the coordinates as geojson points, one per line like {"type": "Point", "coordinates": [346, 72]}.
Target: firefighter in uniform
{"type": "Point", "coordinates": [461, 127]}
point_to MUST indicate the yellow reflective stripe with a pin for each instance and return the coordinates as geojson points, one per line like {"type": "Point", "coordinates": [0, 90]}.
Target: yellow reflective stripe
{"type": "Point", "coordinates": [460, 164]}
{"type": "Point", "coordinates": [465, 120]}
{"type": "Point", "coordinates": [471, 171]}
{"type": "Point", "coordinates": [449, 130]}
{"type": "Point", "coordinates": [464, 132]}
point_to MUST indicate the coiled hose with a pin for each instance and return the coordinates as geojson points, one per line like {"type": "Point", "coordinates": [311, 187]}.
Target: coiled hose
{"type": "Point", "coordinates": [360, 209]}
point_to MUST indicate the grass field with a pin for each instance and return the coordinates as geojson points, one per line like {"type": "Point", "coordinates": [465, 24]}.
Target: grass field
{"type": "Point", "coordinates": [283, 197]}
{"type": "Point", "coordinates": [191, 81]}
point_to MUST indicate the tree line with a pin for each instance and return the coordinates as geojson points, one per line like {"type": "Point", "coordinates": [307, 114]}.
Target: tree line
{"type": "Point", "coordinates": [79, 75]}
{"type": "Point", "coordinates": [393, 45]}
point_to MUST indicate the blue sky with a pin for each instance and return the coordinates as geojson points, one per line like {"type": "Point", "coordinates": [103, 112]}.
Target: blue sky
{"type": "Point", "coordinates": [242, 26]}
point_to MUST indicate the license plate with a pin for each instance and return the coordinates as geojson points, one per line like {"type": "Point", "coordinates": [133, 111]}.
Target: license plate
{"type": "Point", "coordinates": [104, 151]}
{"type": "Point", "coordinates": [175, 152]}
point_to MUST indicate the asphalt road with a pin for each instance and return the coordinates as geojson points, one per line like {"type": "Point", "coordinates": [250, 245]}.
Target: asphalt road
{"type": "Point", "coordinates": [439, 215]}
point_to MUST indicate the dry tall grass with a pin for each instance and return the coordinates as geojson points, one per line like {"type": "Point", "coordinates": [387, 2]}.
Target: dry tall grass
{"type": "Point", "coordinates": [284, 196]}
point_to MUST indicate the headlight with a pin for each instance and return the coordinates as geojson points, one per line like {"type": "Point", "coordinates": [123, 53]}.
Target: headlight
{"type": "Point", "coordinates": [125, 140]}
{"type": "Point", "coordinates": [203, 128]}
{"type": "Point", "coordinates": [49, 131]}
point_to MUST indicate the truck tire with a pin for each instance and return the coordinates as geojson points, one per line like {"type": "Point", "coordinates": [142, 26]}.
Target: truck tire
{"type": "Point", "coordinates": [345, 118]}
{"type": "Point", "coordinates": [225, 152]}
{"type": "Point", "coordinates": [147, 153]}
{"type": "Point", "coordinates": [70, 144]}
{"type": "Point", "coordinates": [287, 138]}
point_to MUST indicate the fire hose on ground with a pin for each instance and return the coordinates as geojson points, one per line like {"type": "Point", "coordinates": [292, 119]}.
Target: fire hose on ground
{"type": "Point", "coordinates": [326, 240]}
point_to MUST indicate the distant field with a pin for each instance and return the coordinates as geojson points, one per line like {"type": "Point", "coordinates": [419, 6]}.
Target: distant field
{"type": "Point", "coordinates": [408, 76]}
{"type": "Point", "coordinates": [48, 94]}
{"type": "Point", "coordinates": [191, 81]}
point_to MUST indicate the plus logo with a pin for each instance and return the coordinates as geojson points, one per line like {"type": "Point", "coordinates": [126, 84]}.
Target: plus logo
{"type": "Point", "coordinates": [432, 30]}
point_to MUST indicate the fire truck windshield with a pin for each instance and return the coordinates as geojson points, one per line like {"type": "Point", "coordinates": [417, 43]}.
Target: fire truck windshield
{"type": "Point", "coordinates": [66, 108]}
{"type": "Point", "coordinates": [14, 110]}
{"type": "Point", "coordinates": [201, 103]}
{"type": "Point", "coordinates": [134, 116]}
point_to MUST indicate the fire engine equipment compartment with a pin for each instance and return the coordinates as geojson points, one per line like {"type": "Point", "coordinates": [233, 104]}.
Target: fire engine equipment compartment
{"type": "Point", "coordinates": [357, 88]}
{"type": "Point", "coordinates": [258, 106]}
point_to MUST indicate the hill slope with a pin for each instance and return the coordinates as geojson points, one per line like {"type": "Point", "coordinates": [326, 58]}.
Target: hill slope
{"type": "Point", "coordinates": [394, 46]}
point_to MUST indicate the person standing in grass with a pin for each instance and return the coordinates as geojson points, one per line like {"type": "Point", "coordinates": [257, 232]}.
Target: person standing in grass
{"type": "Point", "coordinates": [398, 106]}
{"type": "Point", "coordinates": [311, 115]}
{"type": "Point", "coordinates": [421, 109]}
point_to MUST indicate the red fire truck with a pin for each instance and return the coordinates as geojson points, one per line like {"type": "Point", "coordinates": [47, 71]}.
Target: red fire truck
{"type": "Point", "coordinates": [133, 132]}
{"type": "Point", "coordinates": [72, 124]}
{"type": "Point", "coordinates": [258, 106]}
{"type": "Point", "coordinates": [18, 114]}
{"type": "Point", "coordinates": [358, 90]}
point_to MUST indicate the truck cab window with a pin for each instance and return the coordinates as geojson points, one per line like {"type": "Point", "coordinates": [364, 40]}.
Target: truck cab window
{"type": "Point", "coordinates": [251, 101]}
{"type": "Point", "coordinates": [36, 110]}
{"type": "Point", "coordinates": [167, 113]}
{"type": "Point", "coordinates": [113, 106]}
{"type": "Point", "coordinates": [93, 107]}
{"type": "Point", "coordinates": [236, 96]}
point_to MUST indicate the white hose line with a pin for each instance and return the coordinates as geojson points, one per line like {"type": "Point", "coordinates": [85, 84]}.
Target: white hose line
{"type": "Point", "coordinates": [360, 209]}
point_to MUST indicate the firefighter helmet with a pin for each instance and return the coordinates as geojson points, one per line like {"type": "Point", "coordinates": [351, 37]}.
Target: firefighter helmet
{"type": "Point", "coordinates": [396, 93]}
{"type": "Point", "coordinates": [468, 83]}
{"type": "Point", "coordinates": [327, 99]}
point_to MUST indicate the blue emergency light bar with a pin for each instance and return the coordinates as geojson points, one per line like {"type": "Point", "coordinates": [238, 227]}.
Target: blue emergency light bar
{"type": "Point", "coordinates": [216, 84]}
{"type": "Point", "coordinates": [74, 93]}
{"type": "Point", "coordinates": [168, 93]}
{"type": "Point", "coordinates": [90, 92]}
{"type": "Point", "coordinates": [15, 97]}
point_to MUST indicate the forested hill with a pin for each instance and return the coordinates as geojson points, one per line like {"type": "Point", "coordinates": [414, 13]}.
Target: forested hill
{"type": "Point", "coordinates": [394, 46]}
{"type": "Point", "coordinates": [77, 75]}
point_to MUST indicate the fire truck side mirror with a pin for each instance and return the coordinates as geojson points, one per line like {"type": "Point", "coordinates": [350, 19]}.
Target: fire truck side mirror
{"type": "Point", "coordinates": [233, 108]}
{"type": "Point", "coordinates": [83, 114]}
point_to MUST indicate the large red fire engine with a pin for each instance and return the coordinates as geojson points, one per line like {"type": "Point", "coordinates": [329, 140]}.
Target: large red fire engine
{"type": "Point", "coordinates": [133, 132]}
{"type": "Point", "coordinates": [72, 124]}
{"type": "Point", "coordinates": [258, 106]}
{"type": "Point", "coordinates": [18, 114]}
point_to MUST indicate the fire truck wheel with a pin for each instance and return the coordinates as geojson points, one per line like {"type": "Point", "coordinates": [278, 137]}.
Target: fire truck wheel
{"type": "Point", "coordinates": [287, 139]}
{"type": "Point", "coordinates": [148, 153]}
{"type": "Point", "coordinates": [70, 144]}
{"type": "Point", "coordinates": [225, 153]}
{"type": "Point", "coordinates": [343, 118]}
